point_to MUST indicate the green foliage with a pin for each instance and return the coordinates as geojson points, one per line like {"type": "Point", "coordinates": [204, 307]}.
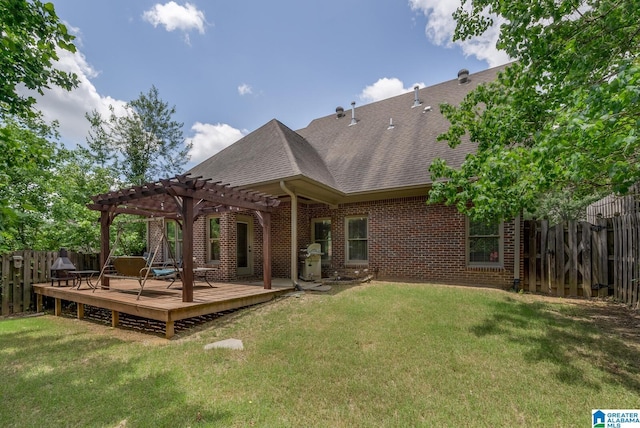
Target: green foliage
{"type": "Point", "coordinates": [26, 158]}
{"type": "Point", "coordinates": [31, 32]}
{"type": "Point", "coordinates": [30, 36]}
{"type": "Point", "coordinates": [133, 235]}
{"type": "Point", "coordinates": [562, 206]}
{"type": "Point", "coordinates": [44, 190]}
{"type": "Point", "coordinates": [69, 223]}
{"type": "Point", "coordinates": [562, 120]}
{"type": "Point", "coordinates": [142, 145]}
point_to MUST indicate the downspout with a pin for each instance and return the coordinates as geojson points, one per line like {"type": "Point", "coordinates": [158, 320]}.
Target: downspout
{"type": "Point", "coordinates": [516, 254]}
{"type": "Point", "coordinates": [294, 233]}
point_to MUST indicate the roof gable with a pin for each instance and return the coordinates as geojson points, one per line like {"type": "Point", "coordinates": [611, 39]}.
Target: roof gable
{"type": "Point", "coordinates": [272, 152]}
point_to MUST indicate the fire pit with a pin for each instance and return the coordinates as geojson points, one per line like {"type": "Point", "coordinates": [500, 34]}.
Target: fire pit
{"type": "Point", "coordinates": [63, 270]}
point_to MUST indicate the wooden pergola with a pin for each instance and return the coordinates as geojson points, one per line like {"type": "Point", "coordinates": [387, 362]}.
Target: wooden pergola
{"type": "Point", "coordinates": [184, 198]}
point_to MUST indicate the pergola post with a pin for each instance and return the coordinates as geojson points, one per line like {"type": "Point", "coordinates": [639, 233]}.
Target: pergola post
{"type": "Point", "coordinates": [105, 224]}
{"type": "Point", "coordinates": [187, 249]}
{"type": "Point", "coordinates": [266, 249]}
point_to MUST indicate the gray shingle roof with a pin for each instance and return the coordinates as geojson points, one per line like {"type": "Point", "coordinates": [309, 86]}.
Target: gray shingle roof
{"type": "Point", "coordinates": [272, 152]}
{"type": "Point", "coordinates": [352, 159]}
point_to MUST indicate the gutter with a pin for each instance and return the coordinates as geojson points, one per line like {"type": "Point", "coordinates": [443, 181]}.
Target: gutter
{"type": "Point", "coordinates": [294, 233]}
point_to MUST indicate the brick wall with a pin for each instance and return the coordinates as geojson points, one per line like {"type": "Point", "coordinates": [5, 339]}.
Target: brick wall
{"type": "Point", "coordinates": [407, 240]}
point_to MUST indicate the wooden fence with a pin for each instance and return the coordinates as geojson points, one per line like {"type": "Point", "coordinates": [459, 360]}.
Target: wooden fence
{"type": "Point", "coordinates": [21, 269]}
{"type": "Point", "coordinates": [584, 259]}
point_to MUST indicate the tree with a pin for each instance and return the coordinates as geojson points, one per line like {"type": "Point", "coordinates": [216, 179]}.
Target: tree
{"type": "Point", "coordinates": [67, 221]}
{"type": "Point", "coordinates": [563, 118]}
{"type": "Point", "coordinates": [30, 34]}
{"type": "Point", "coordinates": [26, 159]}
{"type": "Point", "coordinates": [143, 144]}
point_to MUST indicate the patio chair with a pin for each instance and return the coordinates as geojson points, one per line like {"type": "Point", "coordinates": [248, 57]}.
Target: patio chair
{"type": "Point", "coordinates": [130, 267]}
{"type": "Point", "coordinates": [170, 270]}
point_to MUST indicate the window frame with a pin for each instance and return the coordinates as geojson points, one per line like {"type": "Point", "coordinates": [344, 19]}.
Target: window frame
{"type": "Point", "coordinates": [325, 258]}
{"type": "Point", "coordinates": [468, 237]}
{"type": "Point", "coordinates": [177, 241]}
{"type": "Point", "coordinates": [347, 240]}
{"type": "Point", "coordinates": [209, 240]}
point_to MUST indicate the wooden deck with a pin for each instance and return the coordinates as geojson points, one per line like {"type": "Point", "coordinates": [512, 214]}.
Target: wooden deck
{"type": "Point", "coordinates": [157, 302]}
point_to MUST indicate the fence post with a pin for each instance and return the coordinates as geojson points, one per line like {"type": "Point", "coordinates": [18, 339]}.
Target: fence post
{"type": "Point", "coordinates": [626, 257]}
{"type": "Point", "coordinates": [6, 288]}
{"type": "Point", "coordinates": [16, 272]}
{"type": "Point", "coordinates": [559, 279]}
{"type": "Point", "coordinates": [604, 248]}
{"type": "Point", "coordinates": [27, 280]}
{"type": "Point", "coordinates": [587, 263]}
{"type": "Point", "coordinates": [617, 262]}
{"type": "Point", "coordinates": [533, 256]}
{"type": "Point", "coordinates": [545, 284]}
{"type": "Point", "coordinates": [634, 259]}
{"type": "Point", "coordinates": [572, 237]}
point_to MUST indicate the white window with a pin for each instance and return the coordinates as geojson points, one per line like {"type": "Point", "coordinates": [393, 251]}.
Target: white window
{"type": "Point", "coordinates": [321, 234]}
{"type": "Point", "coordinates": [484, 243]}
{"type": "Point", "coordinates": [213, 239]}
{"type": "Point", "coordinates": [357, 240]}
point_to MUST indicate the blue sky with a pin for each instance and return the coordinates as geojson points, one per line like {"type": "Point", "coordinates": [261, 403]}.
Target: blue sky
{"type": "Point", "coordinates": [231, 66]}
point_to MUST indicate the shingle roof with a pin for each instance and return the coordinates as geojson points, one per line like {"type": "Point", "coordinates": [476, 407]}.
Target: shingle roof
{"type": "Point", "coordinates": [272, 152]}
{"type": "Point", "coordinates": [352, 159]}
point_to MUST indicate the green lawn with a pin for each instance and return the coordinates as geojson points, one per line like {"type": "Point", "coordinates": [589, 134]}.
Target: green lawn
{"type": "Point", "coordinates": [377, 355]}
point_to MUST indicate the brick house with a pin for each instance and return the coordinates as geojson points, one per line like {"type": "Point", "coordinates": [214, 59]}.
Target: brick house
{"type": "Point", "coordinates": [356, 183]}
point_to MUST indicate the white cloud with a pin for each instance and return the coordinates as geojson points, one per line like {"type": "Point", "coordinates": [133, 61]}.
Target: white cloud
{"type": "Point", "coordinates": [69, 107]}
{"type": "Point", "coordinates": [176, 17]}
{"type": "Point", "coordinates": [245, 89]}
{"type": "Point", "coordinates": [441, 26]}
{"type": "Point", "coordinates": [210, 139]}
{"type": "Point", "coordinates": [385, 88]}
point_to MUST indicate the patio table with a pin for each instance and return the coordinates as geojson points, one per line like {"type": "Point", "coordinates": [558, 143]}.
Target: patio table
{"type": "Point", "coordinates": [201, 273]}
{"type": "Point", "coordinates": [87, 275]}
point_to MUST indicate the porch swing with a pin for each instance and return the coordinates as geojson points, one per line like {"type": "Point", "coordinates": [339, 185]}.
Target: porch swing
{"type": "Point", "coordinates": [139, 268]}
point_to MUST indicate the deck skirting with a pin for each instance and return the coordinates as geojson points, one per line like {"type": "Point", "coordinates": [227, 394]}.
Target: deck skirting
{"type": "Point", "coordinates": [157, 302]}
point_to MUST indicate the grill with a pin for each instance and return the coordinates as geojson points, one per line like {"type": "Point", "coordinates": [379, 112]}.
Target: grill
{"type": "Point", "coordinates": [62, 269]}
{"type": "Point", "coordinates": [311, 258]}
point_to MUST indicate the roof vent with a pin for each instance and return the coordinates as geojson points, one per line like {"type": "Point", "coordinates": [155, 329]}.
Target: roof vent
{"type": "Point", "coordinates": [416, 100]}
{"type": "Point", "coordinates": [391, 125]}
{"type": "Point", "coordinates": [353, 113]}
{"type": "Point", "coordinates": [339, 112]}
{"type": "Point", "coordinates": [463, 76]}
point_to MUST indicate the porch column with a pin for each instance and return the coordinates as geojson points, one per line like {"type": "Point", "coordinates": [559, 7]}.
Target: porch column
{"type": "Point", "coordinates": [266, 249]}
{"type": "Point", "coordinates": [187, 249]}
{"type": "Point", "coordinates": [294, 232]}
{"type": "Point", "coordinates": [105, 224]}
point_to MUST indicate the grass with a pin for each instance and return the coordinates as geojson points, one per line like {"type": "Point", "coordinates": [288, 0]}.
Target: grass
{"type": "Point", "coordinates": [376, 355]}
